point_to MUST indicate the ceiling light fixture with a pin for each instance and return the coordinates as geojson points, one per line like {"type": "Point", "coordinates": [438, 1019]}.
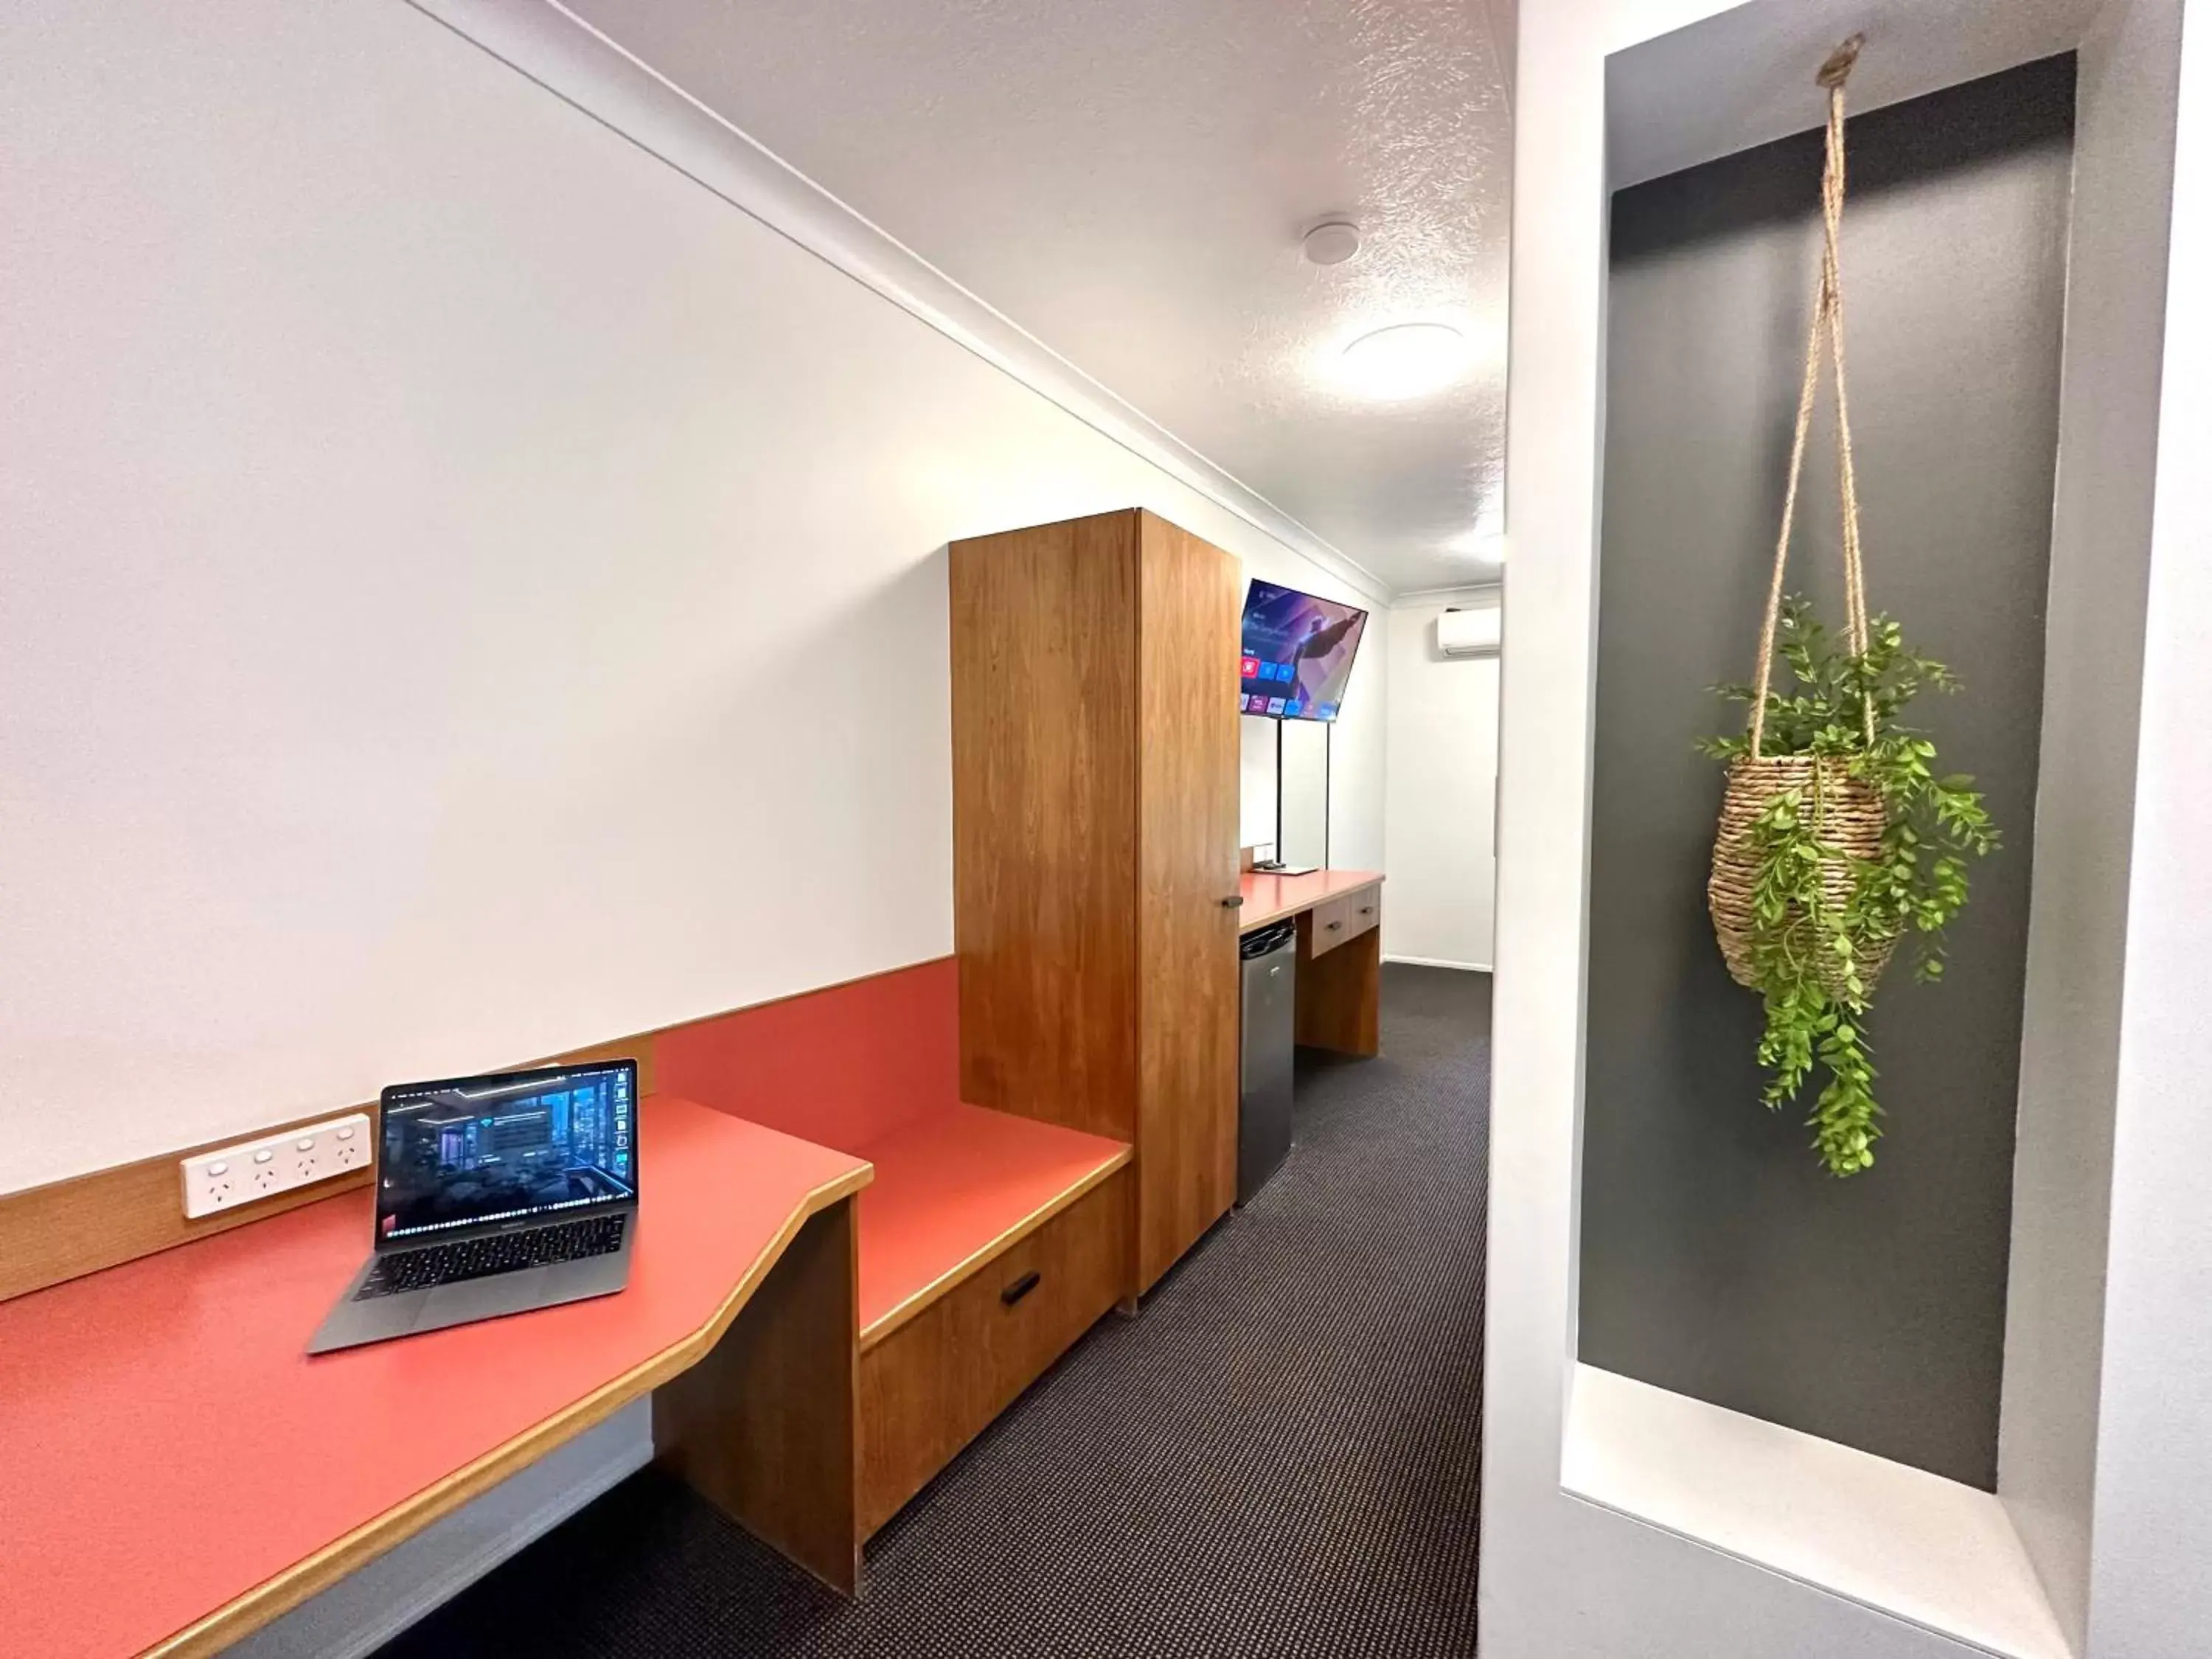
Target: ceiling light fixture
{"type": "Point", "coordinates": [1405, 360]}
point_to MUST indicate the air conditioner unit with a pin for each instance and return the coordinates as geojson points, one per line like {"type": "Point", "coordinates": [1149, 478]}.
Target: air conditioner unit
{"type": "Point", "coordinates": [1471, 633]}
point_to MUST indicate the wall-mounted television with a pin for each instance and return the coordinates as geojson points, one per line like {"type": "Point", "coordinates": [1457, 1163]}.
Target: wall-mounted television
{"type": "Point", "coordinates": [1297, 653]}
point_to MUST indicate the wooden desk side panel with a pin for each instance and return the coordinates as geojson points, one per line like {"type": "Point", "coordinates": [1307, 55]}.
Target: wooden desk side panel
{"type": "Point", "coordinates": [764, 1427]}
{"type": "Point", "coordinates": [1044, 820]}
{"type": "Point", "coordinates": [1186, 1129]}
{"type": "Point", "coordinates": [1339, 995]}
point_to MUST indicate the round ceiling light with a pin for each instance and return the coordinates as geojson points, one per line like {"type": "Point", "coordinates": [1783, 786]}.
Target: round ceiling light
{"type": "Point", "coordinates": [1405, 360]}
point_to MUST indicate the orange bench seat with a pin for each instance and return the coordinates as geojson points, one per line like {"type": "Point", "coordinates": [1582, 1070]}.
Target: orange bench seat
{"type": "Point", "coordinates": [954, 1190]}
{"type": "Point", "coordinates": [988, 1242]}
{"type": "Point", "coordinates": [872, 1069]}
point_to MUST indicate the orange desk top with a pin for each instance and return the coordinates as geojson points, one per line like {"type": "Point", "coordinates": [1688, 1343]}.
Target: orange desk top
{"type": "Point", "coordinates": [1270, 898]}
{"type": "Point", "coordinates": [167, 1449]}
{"type": "Point", "coordinates": [954, 1188]}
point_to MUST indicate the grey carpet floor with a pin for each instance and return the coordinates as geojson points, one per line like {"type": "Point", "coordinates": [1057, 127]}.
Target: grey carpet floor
{"type": "Point", "coordinates": [1279, 1457]}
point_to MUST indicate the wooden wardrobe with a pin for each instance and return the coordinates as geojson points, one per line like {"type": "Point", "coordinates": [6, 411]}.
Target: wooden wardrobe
{"type": "Point", "coordinates": [1094, 827]}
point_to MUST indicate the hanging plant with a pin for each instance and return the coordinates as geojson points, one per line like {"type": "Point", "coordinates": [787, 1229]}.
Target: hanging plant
{"type": "Point", "coordinates": [1838, 838]}
{"type": "Point", "coordinates": [1833, 846]}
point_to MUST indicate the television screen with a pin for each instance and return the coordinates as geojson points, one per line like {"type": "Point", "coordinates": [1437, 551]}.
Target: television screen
{"type": "Point", "coordinates": [1297, 653]}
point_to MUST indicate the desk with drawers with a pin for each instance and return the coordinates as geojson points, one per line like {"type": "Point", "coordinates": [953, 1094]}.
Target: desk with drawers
{"type": "Point", "coordinates": [1339, 920]}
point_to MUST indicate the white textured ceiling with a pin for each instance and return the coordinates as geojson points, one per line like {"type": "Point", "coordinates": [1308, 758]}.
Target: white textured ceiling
{"type": "Point", "coordinates": [1128, 182]}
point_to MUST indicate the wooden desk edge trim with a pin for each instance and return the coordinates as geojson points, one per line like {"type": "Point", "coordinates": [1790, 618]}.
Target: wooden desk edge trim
{"type": "Point", "coordinates": [256, 1607]}
{"type": "Point", "coordinates": [1254, 923]}
{"type": "Point", "coordinates": [976, 1260]}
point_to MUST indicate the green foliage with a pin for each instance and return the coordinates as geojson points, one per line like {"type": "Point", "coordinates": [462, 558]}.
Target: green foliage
{"type": "Point", "coordinates": [1806, 949]}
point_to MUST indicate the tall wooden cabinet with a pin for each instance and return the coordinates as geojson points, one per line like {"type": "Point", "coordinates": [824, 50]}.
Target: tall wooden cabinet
{"type": "Point", "coordinates": [1094, 825]}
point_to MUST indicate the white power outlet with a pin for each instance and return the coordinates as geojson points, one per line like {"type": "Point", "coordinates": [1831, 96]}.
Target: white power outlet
{"type": "Point", "coordinates": [232, 1177]}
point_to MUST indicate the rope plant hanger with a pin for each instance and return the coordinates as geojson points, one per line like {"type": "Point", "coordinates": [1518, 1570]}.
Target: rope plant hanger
{"type": "Point", "coordinates": [1836, 837]}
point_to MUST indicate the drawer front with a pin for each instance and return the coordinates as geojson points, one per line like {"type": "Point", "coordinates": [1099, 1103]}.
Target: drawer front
{"type": "Point", "coordinates": [935, 1383]}
{"type": "Point", "coordinates": [1363, 912]}
{"type": "Point", "coordinates": [1333, 921]}
{"type": "Point", "coordinates": [1324, 926]}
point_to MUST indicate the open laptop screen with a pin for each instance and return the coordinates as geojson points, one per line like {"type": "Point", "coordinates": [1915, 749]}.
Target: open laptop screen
{"type": "Point", "coordinates": [505, 1150]}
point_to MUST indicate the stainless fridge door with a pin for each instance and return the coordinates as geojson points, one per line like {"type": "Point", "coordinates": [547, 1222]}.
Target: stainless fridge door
{"type": "Point", "coordinates": [1270, 1024]}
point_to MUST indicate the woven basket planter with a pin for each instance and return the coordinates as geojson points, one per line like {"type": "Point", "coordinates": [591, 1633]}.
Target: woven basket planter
{"type": "Point", "coordinates": [1851, 816]}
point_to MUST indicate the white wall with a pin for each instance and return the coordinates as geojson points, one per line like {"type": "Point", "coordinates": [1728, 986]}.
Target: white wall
{"type": "Point", "coordinates": [1255, 819]}
{"type": "Point", "coordinates": [2150, 1589]}
{"type": "Point", "coordinates": [1310, 753]}
{"type": "Point", "coordinates": [1561, 1577]}
{"type": "Point", "coordinates": [1439, 800]}
{"type": "Point", "coordinates": [1308, 761]}
{"type": "Point", "coordinates": [2101, 536]}
{"type": "Point", "coordinates": [470, 591]}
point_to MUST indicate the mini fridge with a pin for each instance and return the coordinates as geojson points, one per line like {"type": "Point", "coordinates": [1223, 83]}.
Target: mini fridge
{"type": "Point", "coordinates": [1266, 1037]}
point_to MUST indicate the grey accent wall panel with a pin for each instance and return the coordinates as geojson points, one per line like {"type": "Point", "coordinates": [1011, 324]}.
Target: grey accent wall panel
{"type": "Point", "coordinates": [1717, 1258]}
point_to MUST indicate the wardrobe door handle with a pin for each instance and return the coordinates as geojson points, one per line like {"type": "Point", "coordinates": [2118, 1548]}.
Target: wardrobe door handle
{"type": "Point", "coordinates": [1235, 903]}
{"type": "Point", "coordinates": [1020, 1288]}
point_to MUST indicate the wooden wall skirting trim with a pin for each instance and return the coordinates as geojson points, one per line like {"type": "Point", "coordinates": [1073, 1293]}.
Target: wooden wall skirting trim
{"type": "Point", "coordinates": [69, 1228]}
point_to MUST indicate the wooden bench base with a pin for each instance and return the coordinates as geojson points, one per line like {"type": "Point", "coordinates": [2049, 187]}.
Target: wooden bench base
{"type": "Point", "coordinates": [966, 1203]}
{"type": "Point", "coordinates": [936, 1381]}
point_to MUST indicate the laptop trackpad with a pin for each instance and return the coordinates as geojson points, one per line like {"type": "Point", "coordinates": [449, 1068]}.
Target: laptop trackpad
{"type": "Point", "coordinates": [485, 1299]}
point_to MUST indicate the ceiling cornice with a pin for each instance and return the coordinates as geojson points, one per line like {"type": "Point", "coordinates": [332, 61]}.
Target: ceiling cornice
{"type": "Point", "coordinates": [552, 47]}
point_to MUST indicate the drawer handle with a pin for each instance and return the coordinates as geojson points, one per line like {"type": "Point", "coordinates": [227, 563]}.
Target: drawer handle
{"type": "Point", "coordinates": [1020, 1288]}
{"type": "Point", "coordinates": [1366, 909]}
{"type": "Point", "coordinates": [1235, 903]}
{"type": "Point", "coordinates": [1333, 926]}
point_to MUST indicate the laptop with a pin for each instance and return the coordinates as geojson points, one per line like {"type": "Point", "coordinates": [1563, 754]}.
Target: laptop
{"type": "Point", "coordinates": [495, 1195]}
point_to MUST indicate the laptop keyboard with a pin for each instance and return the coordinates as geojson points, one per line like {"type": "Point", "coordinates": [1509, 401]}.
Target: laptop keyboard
{"type": "Point", "coordinates": [501, 1253]}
